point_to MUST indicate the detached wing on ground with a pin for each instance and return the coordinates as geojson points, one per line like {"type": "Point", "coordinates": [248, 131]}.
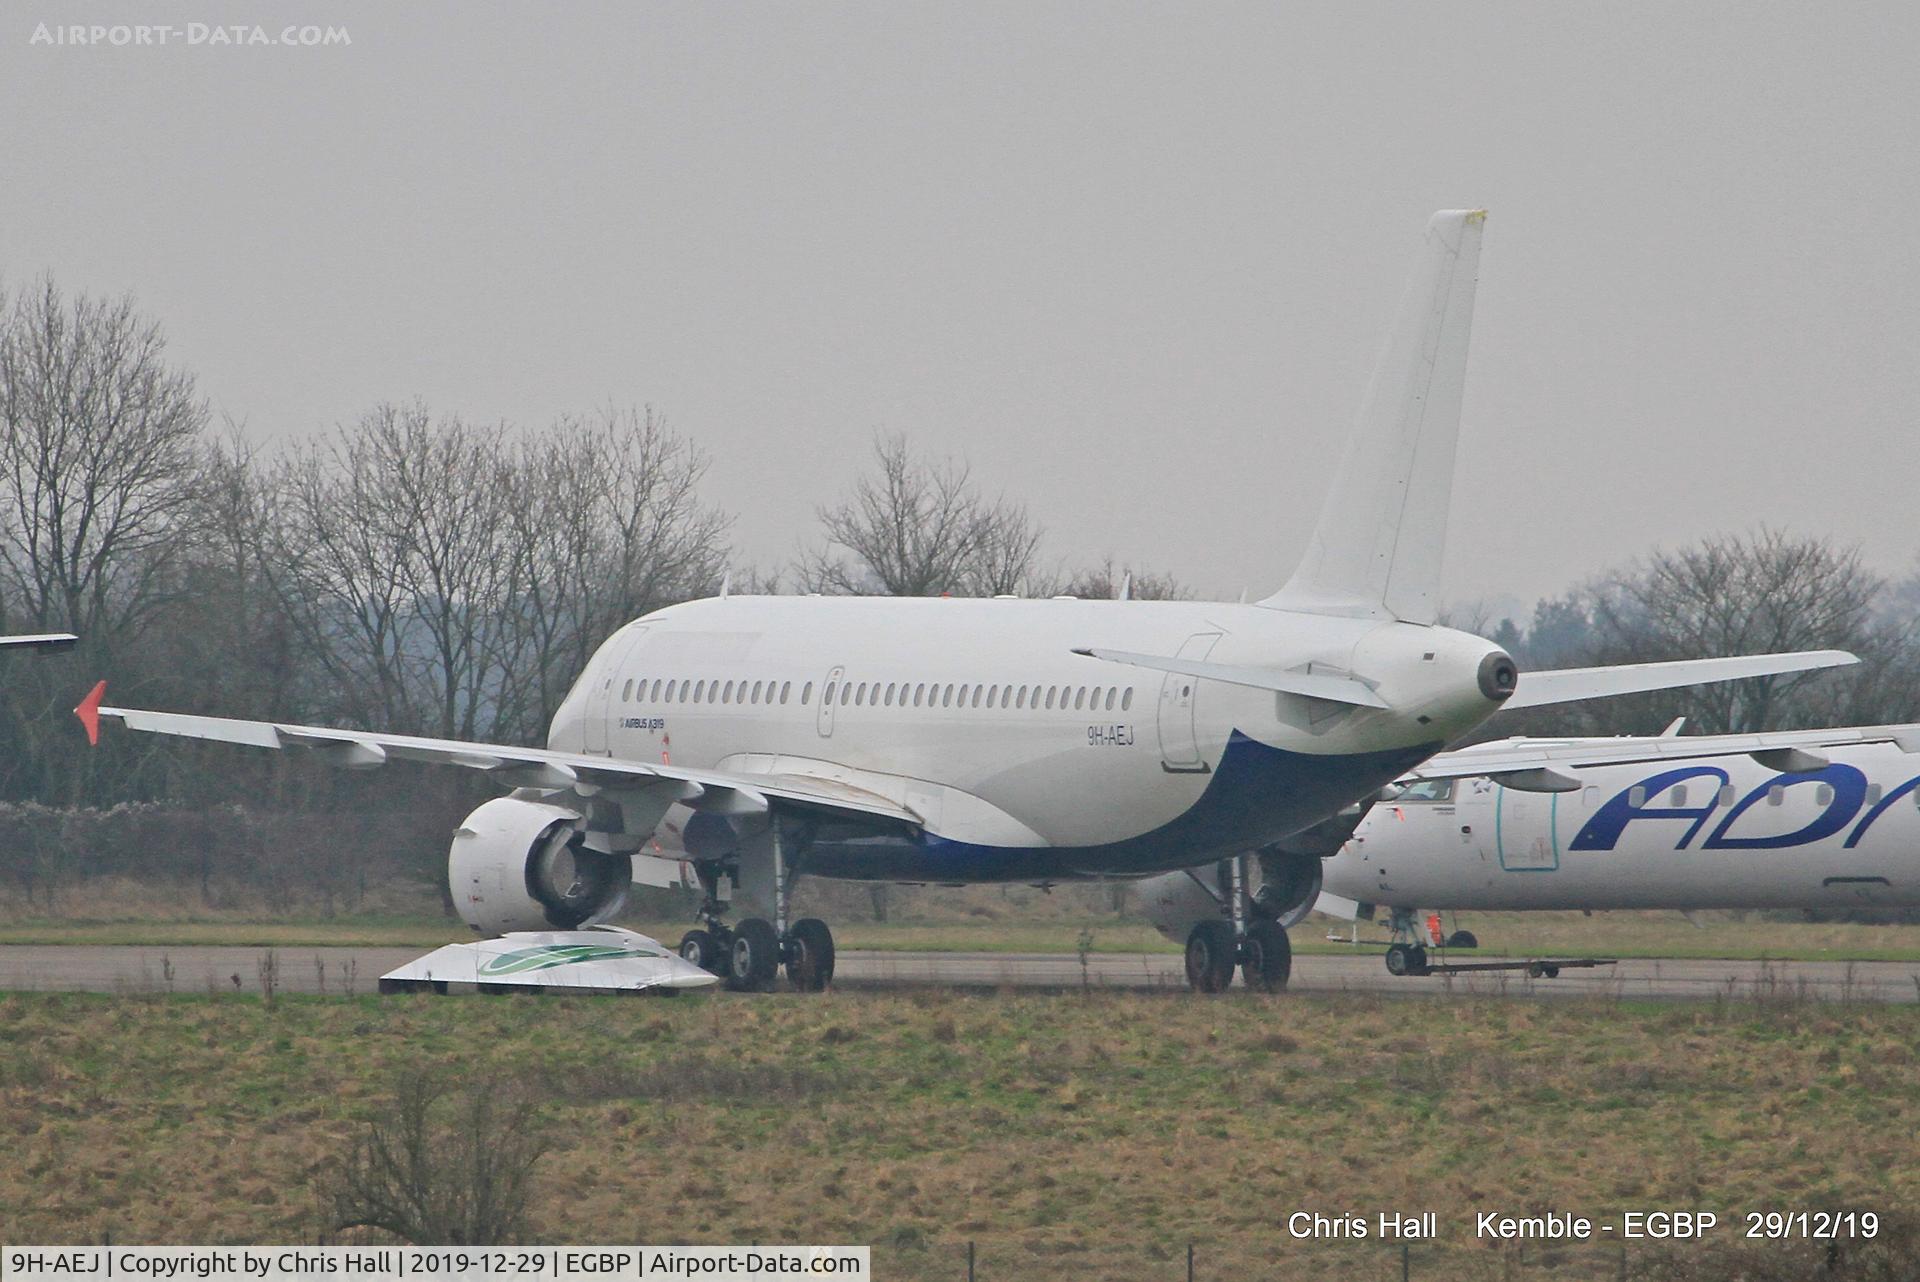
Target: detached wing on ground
{"type": "Point", "coordinates": [597, 959]}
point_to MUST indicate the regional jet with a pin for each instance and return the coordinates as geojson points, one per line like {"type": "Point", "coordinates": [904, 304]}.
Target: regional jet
{"type": "Point", "coordinates": [1812, 819]}
{"type": "Point", "coordinates": [756, 739]}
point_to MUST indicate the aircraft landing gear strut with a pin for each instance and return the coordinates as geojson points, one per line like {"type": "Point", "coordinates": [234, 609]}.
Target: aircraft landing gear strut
{"type": "Point", "coordinates": [748, 956]}
{"type": "Point", "coordinates": [1255, 943]}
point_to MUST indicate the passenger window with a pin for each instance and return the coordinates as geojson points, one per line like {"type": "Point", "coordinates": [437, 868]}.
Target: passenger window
{"type": "Point", "coordinates": [1726, 794]}
{"type": "Point", "coordinates": [1051, 692]}
{"type": "Point", "coordinates": [1636, 796]}
{"type": "Point", "coordinates": [1110, 693]}
{"type": "Point", "coordinates": [1679, 794]}
{"type": "Point", "coordinates": [806, 693]}
{"type": "Point", "coordinates": [1776, 794]}
{"type": "Point", "coordinates": [669, 698]}
{"type": "Point", "coordinates": [699, 688]}
{"type": "Point", "coordinates": [1080, 699]}
{"type": "Point", "coordinates": [977, 692]}
{"type": "Point", "coordinates": [1126, 700]}
{"type": "Point", "coordinates": [891, 687]}
{"type": "Point", "coordinates": [757, 686]}
{"type": "Point", "coordinates": [656, 690]}
{"type": "Point", "coordinates": [786, 687]}
{"type": "Point", "coordinates": [626, 691]}
{"type": "Point", "coordinates": [824, 698]}
{"type": "Point", "coordinates": [860, 695]}
{"type": "Point", "coordinates": [1873, 794]}
{"type": "Point", "coordinates": [963, 695]}
{"type": "Point", "coordinates": [1021, 702]}
{"type": "Point", "coordinates": [1823, 794]}
{"type": "Point", "coordinates": [726, 693]}
{"type": "Point", "coordinates": [946, 699]}
{"type": "Point", "coordinates": [846, 694]}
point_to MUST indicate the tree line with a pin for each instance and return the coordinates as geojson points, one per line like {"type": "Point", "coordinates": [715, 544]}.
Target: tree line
{"type": "Point", "coordinates": [421, 572]}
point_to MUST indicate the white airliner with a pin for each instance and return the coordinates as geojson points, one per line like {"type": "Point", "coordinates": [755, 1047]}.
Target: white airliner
{"type": "Point", "coordinates": [1818, 819]}
{"type": "Point", "coordinates": [756, 739]}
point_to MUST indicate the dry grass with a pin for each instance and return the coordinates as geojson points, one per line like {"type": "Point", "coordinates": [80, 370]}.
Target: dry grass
{"type": "Point", "coordinates": [1084, 1135]}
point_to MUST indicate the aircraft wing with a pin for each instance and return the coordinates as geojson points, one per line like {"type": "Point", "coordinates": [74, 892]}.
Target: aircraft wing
{"type": "Point", "coordinates": [712, 790]}
{"type": "Point", "coordinates": [40, 641]}
{"type": "Point", "coordinates": [1535, 764]}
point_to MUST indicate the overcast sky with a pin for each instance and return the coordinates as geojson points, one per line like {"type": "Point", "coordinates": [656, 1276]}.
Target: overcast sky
{"type": "Point", "coordinates": [1132, 261]}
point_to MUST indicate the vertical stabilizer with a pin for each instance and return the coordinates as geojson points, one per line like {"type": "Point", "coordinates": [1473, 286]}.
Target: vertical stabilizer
{"type": "Point", "coordinates": [1377, 549]}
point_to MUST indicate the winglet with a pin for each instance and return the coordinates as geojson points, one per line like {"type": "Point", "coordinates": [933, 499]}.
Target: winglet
{"type": "Point", "coordinates": [89, 712]}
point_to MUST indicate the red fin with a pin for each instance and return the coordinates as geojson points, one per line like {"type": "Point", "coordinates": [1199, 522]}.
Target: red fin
{"type": "Point", "coordinates": [89, 712]}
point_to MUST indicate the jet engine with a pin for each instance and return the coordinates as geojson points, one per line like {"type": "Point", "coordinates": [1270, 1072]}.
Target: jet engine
{"type": "Point", "coordinates": [1284, 889]}
{"type": "Point", "coordinates": [525, 865]}
{"type": "Point", "coordinates": [1289, 883]}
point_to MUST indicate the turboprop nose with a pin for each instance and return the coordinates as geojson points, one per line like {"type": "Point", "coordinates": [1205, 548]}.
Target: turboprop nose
{"type": "Point", "coordinates": [1498, 676]}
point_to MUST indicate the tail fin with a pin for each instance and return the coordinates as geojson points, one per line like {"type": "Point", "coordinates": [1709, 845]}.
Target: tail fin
{"type": "Point", "coordinates": [1377, 549]}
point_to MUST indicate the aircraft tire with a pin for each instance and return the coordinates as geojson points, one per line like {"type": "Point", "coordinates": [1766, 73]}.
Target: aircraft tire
{"type": "Point", "coordinates": [755, 957]}
{"type": "Point", "coordinates": [1210, 957]}
{"type": "Point", "coordinates": [1463, 939]}
{"type": "Point", "coordinates": [703, 950]}
{"type": "Point", "coordinates": [809, 955]}
{"type": "Point", "coordinates": [1406, 959]}
{"type": "Point", "coordinates": [1266, 956]}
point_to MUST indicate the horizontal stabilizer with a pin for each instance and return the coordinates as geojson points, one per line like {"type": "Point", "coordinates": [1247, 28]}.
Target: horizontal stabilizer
{"type": "Point", "coordinates": [1569, 685]}
{"type": "Point", "coordinates": [1312, 685]}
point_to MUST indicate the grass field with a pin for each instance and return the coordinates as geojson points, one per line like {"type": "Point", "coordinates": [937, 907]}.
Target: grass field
{"type": "Point", "coordinates": [1624, 934]}
{"type": "Point", "coordinates": [1081, 1135]}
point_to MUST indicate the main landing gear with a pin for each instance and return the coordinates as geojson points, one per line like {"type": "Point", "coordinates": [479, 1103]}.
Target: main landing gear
{"type": "Point", "coordinates": [1257, 945]}
{"type": "Point", "coordinates": [749, 955]}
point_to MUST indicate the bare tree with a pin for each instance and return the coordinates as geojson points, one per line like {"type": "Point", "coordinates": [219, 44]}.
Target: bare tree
{"type": "Point", "coordinates": [1103, 582]}
{"type": "Point", "coordinates": [99, 449]}
{"type": "Point", "coordinates": [1729, 594]}
{"type": "Point", "coordinates": [921, 529]}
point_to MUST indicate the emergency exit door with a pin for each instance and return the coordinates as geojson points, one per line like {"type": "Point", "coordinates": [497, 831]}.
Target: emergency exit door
{"type": "Point", "coordinates": [1179, 742]}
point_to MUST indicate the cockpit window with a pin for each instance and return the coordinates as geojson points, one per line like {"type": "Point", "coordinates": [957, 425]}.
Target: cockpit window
{"type": "Point", "coordinates": [1428, 790]}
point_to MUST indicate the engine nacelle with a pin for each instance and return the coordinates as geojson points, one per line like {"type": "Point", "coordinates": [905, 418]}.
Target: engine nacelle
{"type": "Point", "coordinates": [524, 865]}
{"type": "Point", "coordinates": [1289, 884]}
{"type": "Point", "coordinates": [1175, 901]}
{"type": "Point", "coordinates": [1283, 890]}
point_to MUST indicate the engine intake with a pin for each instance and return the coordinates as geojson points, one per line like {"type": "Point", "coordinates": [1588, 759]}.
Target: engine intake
{"type": "Point", "coordinates": [524, 865]}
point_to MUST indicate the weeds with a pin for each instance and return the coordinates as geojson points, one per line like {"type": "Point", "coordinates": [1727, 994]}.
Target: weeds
{"type": "Point", "coordinates": [443, 1170]}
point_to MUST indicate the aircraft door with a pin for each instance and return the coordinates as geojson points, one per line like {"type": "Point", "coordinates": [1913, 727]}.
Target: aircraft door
{"type": "Point", "coordinates": [1523, 830]}
{"type": "Point", "coordinates": [603, 699]}
{"type": "Point", "coordinates": [829, 692]}
{"type": "Point", "coordinates": [1179, 744]}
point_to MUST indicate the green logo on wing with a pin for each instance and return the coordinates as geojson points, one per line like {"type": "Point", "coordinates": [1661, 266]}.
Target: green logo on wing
{"type": "Point", "coordinates": [547, 956]}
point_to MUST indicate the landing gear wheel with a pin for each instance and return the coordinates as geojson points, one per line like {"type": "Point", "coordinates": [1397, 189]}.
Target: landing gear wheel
{"type": "Point", "coordinates": [1542, 970]}
{"type": "Point", "coordinates": [703, 950]}
{"type": "Point", "coordinates": [809, 955]}
{"type": "Point", "coordinates": [1210, 956]}
{"type": "Point", "coordinates": [1463, 939]}
{"type": "Point", "coordinates": [755, 960]}
{"type": "Point", "coordinates": [1406, 959]}
{"type": "Point", "coordinates": [1266, 956]}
